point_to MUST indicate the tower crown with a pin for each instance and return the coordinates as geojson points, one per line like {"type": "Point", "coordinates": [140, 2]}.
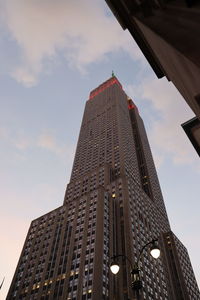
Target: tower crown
{"type": "Point", "coordinates": [105, 85]}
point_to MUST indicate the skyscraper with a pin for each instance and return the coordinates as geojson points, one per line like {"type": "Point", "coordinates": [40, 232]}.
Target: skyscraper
{"type": "Point", "coordinates": [113, 205]}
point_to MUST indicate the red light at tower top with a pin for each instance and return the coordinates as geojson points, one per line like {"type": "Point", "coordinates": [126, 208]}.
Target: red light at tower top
{"type": "Point", "coordinates": [111, 81]}
{"type": "Point", "coordinates": [131, 105]}
{"type": "Point", "coordinates": [105, 85]}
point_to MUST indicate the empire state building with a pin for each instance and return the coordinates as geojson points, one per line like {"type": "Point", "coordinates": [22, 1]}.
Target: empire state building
{"type": "Point", "coordinates": [113, 205]}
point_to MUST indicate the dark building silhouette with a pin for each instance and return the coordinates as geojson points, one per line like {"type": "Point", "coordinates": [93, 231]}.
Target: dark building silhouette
{"type": "Point", "coordinates": [113, 204]}
{"type": "Point", "coordinates": [192, 129]}
{"type": "Point", "coordinates": [168, 34]}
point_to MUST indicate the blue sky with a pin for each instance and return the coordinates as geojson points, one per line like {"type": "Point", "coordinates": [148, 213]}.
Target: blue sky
{"type": "Point", "coordinates": [53, 53]}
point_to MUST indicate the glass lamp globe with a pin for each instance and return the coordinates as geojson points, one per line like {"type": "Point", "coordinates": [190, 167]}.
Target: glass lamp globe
{"type": "Point", "coordinates": [114, 267]}
{"type": "Point", "coordinates": [155, 251]}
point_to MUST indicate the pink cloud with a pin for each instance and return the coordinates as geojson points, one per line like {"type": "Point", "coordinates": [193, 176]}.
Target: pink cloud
{"type": "Point", "coordinates": [81, 30]}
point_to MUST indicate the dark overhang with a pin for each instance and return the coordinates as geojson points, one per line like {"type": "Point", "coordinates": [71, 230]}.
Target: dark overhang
{"type": "Point", "coordinates": [124, 10]}
{"type": "Point", "coordinates": [192, 129]}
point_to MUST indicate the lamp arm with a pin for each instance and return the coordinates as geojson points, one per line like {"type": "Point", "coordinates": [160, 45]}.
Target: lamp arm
{"type": "Point", "coordinates": [141, 251]}
{"type": "Point", "coordinates": [124, 256]}
{"type": "Point", "coordinates": [138, 259]}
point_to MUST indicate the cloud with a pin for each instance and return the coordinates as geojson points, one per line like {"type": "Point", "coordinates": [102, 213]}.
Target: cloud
{"type": "Point", "coordinates": [25, 75]}
{"type": "Point", "coordinates": [21, 141]}
{"type": "Point", "coordinates": [81, 30]}
{"type": "Point", "coordinates": [3, 132]}
{"type": "Point", "coordinates": [48, 142]}
{"type": "Point", "coordinates": [169, 112]}
{"type": "Point", "coordinates": [45, 140]}
{"type": "Point", "coordinates": [17, 139]}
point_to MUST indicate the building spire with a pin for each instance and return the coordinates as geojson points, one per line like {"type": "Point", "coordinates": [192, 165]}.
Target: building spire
{"type": "Point", "coordinates": [113, 73]}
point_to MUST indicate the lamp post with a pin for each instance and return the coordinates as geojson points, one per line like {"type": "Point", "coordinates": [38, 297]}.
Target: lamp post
{"type": "Point", "coordinates": [136, 283]}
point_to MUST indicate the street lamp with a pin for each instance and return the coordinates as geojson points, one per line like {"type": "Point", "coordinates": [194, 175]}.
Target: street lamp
{"type": "Point", "coordinates": [114, 267]}
{"type": "Point", "coordinates": [135, 271]}
{"type": "Point", "coordinates": [155, 250]}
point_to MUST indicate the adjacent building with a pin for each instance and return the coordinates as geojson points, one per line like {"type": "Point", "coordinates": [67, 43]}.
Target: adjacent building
{"type": "Point", "coordinates": [192, 129]}
{"type": "Point", "coordinates": [113, 204]}
{"type": "Point", "coordinates": [182, 281]}
{"type": "Point", "coordinates": [167, 32]}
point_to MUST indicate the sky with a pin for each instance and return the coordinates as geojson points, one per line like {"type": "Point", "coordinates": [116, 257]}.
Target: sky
{"type": "Point", "coordinates": [52, 54]}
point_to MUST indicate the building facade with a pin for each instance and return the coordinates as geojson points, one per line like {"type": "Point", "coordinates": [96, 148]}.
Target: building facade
{"type": "Point", "coordinates": [113, 205]}
{"type": "Point", "coordinates": [183, 284]}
